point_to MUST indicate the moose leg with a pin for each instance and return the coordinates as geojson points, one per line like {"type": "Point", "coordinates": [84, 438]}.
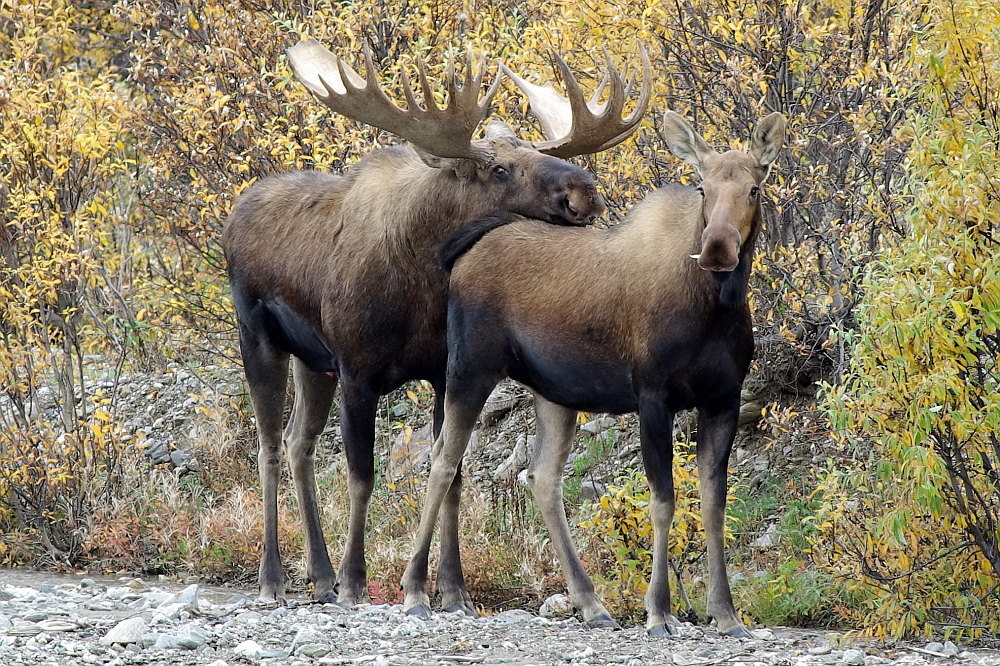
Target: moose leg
{"type": "Point", "coordinates": [313, 398]}
{"type": "Point", "coordinates": [462, 408]}
{"type": "Point", "coordinates": [553, 440]}
{"type": "Point", "coordinates": [450, 578]}
{"type": "Point", "coordinates": [716, 430]}
{"type": "Point", "coordinates": [656, 436]}
{"type": "Point", "coordinates": [266, 370]}
{"type": "Point", "coordinates": [357, 425]}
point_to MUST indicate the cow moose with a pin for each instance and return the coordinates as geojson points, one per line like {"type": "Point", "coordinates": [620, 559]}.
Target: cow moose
{"type": "Point", "coordinates": [340, 274]}
{"type": "Point", "coordinates": [650, 316]}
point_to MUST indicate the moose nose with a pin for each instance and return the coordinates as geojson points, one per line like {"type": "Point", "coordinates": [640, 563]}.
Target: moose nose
{"type": "Point", "coordinates": [720, 249]}
{"type": "Point", "coordinates": [577, 207]}
{"type": "Point", "coordinates": [583, 204]}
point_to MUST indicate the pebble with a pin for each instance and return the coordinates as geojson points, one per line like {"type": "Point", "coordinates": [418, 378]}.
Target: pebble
{"type": "Point", "coordinates": [556, 606]}
{"type": "Point", "coordinates": [852, 657]}
{"type": "Point", "coordinates": [133, 629]}
{"type": "Point", "coordinates": [126, 631]}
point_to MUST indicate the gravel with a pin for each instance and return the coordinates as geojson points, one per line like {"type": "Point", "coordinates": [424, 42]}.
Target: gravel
{"type": "Point", "coordinates": [50, 619]}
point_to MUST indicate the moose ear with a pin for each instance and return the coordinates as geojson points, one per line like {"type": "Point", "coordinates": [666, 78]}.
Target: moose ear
{"type": "Point", "coordinates": [463, 167]}
{"type": "Point", "coordinates": [498, 129]}
{"type": "Point", "coordinates": [767, 139]}
{"type": "Point", "coordinates": [684, 142]}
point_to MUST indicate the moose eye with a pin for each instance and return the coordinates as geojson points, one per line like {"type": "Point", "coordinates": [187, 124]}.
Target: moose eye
{"type": "Point", "coordinates": [754, 191]}
{"type": "Point", "coordinates": [499, 171]}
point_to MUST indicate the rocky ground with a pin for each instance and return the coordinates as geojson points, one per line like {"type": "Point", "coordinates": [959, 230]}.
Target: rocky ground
{"type": "Point", "coordinates": [46, 619]}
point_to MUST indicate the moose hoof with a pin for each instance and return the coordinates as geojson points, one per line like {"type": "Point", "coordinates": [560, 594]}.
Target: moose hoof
{"type": "Point", "coordinates": [462, 606]}
{"type": "Point", "coordinates": [660, 631]}
{"type": "Point", "coordinates": [270, 602]}
{"type": "Point", "coordinates": [420, 610]}
{"type": "Point", "coordinates": [326, 598]}
{"type": "Point", "coordinates": [739, 631]}
{"type": "Point", "coordinates": [602, 621]}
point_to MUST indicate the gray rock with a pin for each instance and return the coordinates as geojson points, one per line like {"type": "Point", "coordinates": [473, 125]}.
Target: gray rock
{"type": "Point", "coordinates": [768, 539]}
{"type": "Point", "coordinates": [517, 461]}
{"type": "Point", "coordinates": [249, 649]}
{"type": "Point", "coordinates": [188, 597]}
{"type": "Point", "coordinates": [191, 637]}
{"type": "Point", "coordinates": [157, 451]}
{"type": "Point", "coordinates": [591, 490]}
{"type": "Point", "coordinates": [598, 425]}
{"type": "Point", "coordinates": [164, 642]}
{"type": "Point", "coordinates": [305, 636]}
{"type": "Point", "coordinates": [750, 413]}
{"type": "Point", "coordinates": [852, 657]}
{"type": "Point", "coordinates": [555, 607]}
{"type": "Point", "coordinates": [516, 616]}
{"type": "Point", "coordinates": [504, 398]}
{"type": "Point", "coordinates": [126, 631]}
{"type": "Point", "coordinates": [313, 650]}
{"type": "Point", "coordinates": [248, 617]}
{"type": "Point", "coordinates": [182, 459]}
{"type": "Point", "coordinates": [118, 593]}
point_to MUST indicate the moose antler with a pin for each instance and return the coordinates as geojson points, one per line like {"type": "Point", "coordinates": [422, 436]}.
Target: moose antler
{"type": "Point", "coordinates": [443, 132]}
{"type": "Point", "coordinates": [577, 127]}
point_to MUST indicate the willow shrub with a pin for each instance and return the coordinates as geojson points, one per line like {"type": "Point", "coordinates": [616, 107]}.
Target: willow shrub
{"type": "Point", "coordinates": [914, 525]}
{"type": "Point", "coordinates": [66, 200]}
{"type": "Point", "coordinates": [196, 103]}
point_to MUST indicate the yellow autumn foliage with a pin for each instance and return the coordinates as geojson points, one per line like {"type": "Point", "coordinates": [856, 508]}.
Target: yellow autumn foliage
{"type": "Point", "coordinates": [914, 525]}
{"type": "Point", "coordinates": [129, 127]}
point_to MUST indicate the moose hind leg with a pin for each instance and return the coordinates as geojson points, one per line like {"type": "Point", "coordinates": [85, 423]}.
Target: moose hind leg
{"type": "Point", "coordinates": [313, 398]}
{"type": "Point", "coordinates": [716, 430]}
{"type": "Point", "coordinates": [357, 425]}
{"type": "Point", "coordinates": [266, 369]}
{"type": "Point", "coordinates": [656, 435]}
{"type": "Point", "coordinates": [556, 426]}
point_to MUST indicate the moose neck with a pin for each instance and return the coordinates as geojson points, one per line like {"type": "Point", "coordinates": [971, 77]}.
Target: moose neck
{"type": "Point", "coordinates": [408, 208]}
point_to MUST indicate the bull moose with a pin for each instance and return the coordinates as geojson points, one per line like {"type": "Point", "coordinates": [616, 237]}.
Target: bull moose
{"type": "Point", "coordinates": [649, 317]}
{"type": "Point", "coordinates": [340, 274]}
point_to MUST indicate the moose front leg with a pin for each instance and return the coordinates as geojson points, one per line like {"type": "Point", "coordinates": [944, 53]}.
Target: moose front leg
{"type": "Point", "coordinates": [450, 579]}
{"type": "Point", "coordinates": [357, 425]}
{"type": "Point", "coordinates": [460, 414]}
{"type": "Point", "coordinates": [716, 431]}
{"type": "Point", "coordinates": [553, 440]}
{"type": "Point", "coordinates": [656, 436]}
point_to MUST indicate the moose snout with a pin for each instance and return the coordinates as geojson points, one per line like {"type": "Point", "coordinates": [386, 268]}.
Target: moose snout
{"type": "Point", "coordinates": [582, 205]}
{"type": "Point", "coordinates": [720, 248]}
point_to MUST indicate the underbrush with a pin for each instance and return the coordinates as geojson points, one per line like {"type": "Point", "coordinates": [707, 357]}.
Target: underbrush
{"type": "Point", "coordinates": [207, 520]}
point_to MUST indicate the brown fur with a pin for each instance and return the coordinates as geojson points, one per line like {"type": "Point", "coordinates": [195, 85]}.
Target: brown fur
{"type": "Point", "coordinates": [614, 320]}
{"type": "Point", "coordinates": [340, 271]}
{"type": "Point", "coordinates": [610, 286]}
